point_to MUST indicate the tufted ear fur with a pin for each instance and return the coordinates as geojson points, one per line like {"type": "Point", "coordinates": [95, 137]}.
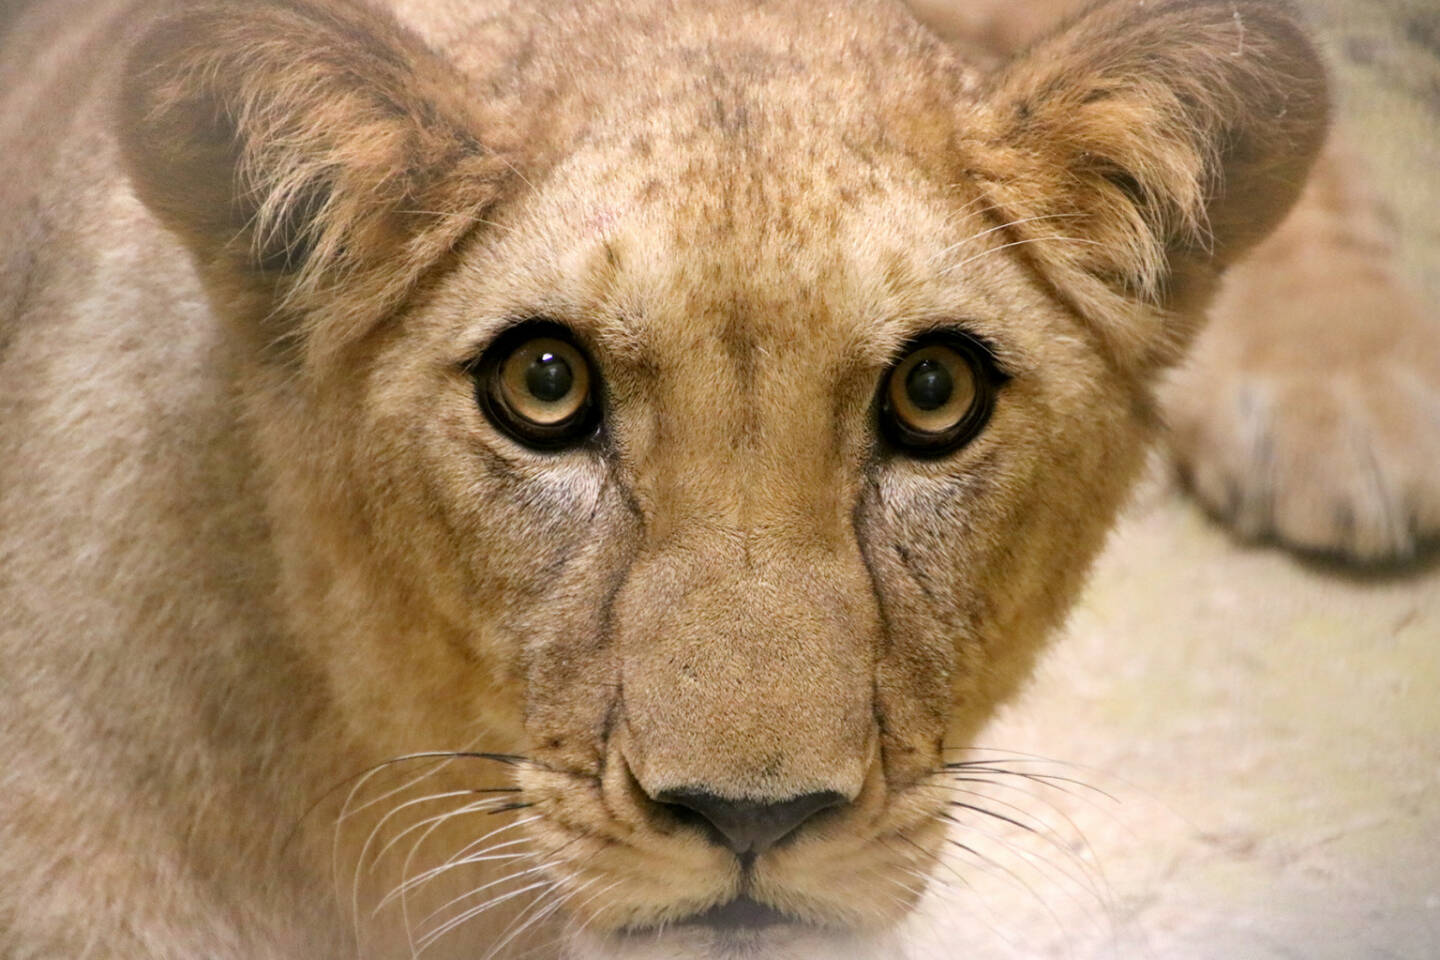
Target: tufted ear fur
{"type": "Point", "coordinates": [1143, 148]}
{"type": "Point", "coordinates": [314, 155]}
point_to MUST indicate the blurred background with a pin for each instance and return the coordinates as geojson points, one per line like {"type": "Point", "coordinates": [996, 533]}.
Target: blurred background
{"type": "Point", "coordinates": [1386, 55]}
{"type": "Point", "coordinates": [1233, 753]}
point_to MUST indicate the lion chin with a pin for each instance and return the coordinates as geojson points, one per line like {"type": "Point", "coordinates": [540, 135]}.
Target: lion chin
{"type": "Point", "coordinates": [740, 929]}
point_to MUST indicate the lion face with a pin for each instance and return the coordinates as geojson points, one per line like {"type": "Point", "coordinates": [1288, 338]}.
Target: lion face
{"type": "Point", "coordinates": [732, 581]}
{"type": "Point", "coordinates": [723, 440]}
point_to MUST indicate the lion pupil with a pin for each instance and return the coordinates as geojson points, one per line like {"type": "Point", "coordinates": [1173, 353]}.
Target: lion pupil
{"type": "Point", "coordinates": [929, 385]}
{"type": "Point", "coordinates": [549, 378]}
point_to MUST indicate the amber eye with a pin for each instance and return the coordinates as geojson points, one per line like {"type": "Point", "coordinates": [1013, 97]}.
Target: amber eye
{"type": "Point", "coordinates": [535, 385]}
{"type": "Point", "coordinates": [939, 396]}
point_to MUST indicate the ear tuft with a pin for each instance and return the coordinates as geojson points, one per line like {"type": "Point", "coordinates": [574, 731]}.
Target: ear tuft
{"type": "Point", "coordinates": [1155, 142]}
{"type": "Point", "coordinates": [317, 150]}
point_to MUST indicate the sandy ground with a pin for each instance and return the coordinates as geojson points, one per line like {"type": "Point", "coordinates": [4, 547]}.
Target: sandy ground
{"type": "Point", "coordinates": [1256, 741]}
{"type": "Point", "coordinates": [1256, 737]}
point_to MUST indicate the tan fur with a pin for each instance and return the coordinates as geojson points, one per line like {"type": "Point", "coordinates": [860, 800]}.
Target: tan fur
{"type": "Point", "coordinates": [258, 537]}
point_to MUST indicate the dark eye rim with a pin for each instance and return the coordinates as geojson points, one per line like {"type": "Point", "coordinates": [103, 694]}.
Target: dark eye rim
{"type": "Point", "coordinates": [485, 370]}
{"type": "Point", "coordinates": [989, 378]}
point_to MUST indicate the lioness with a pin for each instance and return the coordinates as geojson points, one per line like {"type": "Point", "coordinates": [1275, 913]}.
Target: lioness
{"type": "Point", "coordinates": [496, 479]}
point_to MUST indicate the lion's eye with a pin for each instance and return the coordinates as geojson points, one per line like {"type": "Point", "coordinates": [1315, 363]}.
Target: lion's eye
{"type": "Point", "coordinates": [939, 396]}
{"type": "Point", "coordinates": [535, 385]}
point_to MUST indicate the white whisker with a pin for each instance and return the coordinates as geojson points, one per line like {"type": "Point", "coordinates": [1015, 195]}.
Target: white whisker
{"type": "Point", "coordinates": [406, 886]}
{"type": "Point", "coordinates": [1036, 861]}
{"type": "Point", "coordinates": [1000, 870]}
{"type": "Point", "coordinates": [429, 939]}
{"type": "Point", "coordinates": [1004, 226]}
{"type": "Point", "coordinates": [409, 883]}
{"type": "Point", "coordinates": [1045, 832]}
{"type": "Point", "coordinates": [548, 910]}
{"type": "Point", "coordinates": [1016, 243]}
{"type": "Point", "coordinates": [486, 805]}
{"type": "Point", "coordinates": [421, 879]}
{"type": "Point", "coordinates": [485, 886]}
{"type": "Point", "coordinates": [591, 899]}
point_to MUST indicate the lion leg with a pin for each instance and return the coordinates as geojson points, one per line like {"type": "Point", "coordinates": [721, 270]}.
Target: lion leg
{"type": "Point", "coordinates": [1310, 409]}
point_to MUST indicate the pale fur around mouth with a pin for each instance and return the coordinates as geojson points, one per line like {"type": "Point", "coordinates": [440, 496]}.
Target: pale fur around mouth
{"type": "Point", "coordinates": [791, 942]}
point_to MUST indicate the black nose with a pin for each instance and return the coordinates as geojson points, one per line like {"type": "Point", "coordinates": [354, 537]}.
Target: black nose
{"type": "Point", "coordinates": [748, 827]}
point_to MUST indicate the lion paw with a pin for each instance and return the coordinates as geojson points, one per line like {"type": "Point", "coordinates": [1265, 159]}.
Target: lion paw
{"type": "Point", "coordinates": [1347, 463]}
{"type": "Point", "coordinates": [1317, 420]}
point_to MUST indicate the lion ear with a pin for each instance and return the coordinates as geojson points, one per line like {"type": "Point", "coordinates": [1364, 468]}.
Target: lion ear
{"type": "Point", "coordinates": [1144, 147]}
{"type": "Point", "coordinates": [317, 152]}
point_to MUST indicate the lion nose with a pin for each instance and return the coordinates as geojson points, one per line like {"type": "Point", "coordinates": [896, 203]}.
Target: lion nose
{"type": "Point", "coordinates": [747, 826]}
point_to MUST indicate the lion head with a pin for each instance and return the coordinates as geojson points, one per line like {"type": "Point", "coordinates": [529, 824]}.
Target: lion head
{"type": "Point", "coordinates": [713, 404]}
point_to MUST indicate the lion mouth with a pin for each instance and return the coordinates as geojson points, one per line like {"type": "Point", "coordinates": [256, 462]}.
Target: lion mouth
{"type": "Point", "coordinates": [742, 913]}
